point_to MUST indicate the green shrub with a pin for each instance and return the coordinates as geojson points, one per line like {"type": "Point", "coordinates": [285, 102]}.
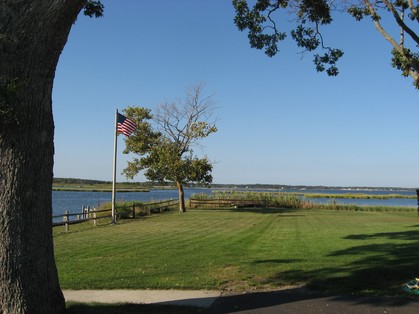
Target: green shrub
{"type": "Point", "coordinates": [123, 209]}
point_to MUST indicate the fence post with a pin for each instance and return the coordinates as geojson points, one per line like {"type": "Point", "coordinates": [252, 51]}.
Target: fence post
{"type": "Point", "coordinates": [66, 220]}
{"type": "Point", "coordinates": [133, 211]}
{"type": "Point", "coordinates": [94, 217]}
{"type": "Point", "coordinates": [148, 210]}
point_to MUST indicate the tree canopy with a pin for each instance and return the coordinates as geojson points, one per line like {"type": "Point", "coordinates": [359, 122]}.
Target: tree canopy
{"type": "Point", "coordinates": [165, 141]}
{"type": "Point", "coordinates": [262, 23]}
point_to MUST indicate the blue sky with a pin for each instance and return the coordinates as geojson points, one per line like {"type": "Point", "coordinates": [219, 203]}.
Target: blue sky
{"type": "Point", "coordinates": [280, 122]}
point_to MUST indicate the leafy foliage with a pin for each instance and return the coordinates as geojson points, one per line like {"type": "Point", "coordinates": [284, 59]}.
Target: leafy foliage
{"type": "Point", "coordinates": [404, 61]}
{"type": "Point", "coordinates": [164, 141]}
{"type": "Point", "coordinates": [263, 31]}
{"type": "Point", "coordinates": [93, 8]}
{"type": "Point", "coordinates": [261, 23]}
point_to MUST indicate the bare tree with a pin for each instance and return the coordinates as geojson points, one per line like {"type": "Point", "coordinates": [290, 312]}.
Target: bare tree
{"type": "Point", "coordinates": [166, 148]}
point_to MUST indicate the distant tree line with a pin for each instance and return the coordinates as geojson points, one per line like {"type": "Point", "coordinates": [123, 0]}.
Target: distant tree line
{"type": "Point", "coordinates": [64, 181]}
{"type": "Point", "coordinates": [76, 181]}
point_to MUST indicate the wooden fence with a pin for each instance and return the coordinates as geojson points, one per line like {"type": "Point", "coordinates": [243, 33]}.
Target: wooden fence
{"type": "Point", "coordinates": [94, 215]}
{"type": "Point", "coordinates": [226, 203]}
{"type": "Point", "coordinates": [149, 208]}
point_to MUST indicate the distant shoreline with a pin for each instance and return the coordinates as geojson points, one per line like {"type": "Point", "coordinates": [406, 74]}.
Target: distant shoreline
{"type": "Point", "coordinates": [88, 189]}
{"type": "Point", "coordinates": [81, 184]}
{"type": "Point", "coordinates": [305, 192]}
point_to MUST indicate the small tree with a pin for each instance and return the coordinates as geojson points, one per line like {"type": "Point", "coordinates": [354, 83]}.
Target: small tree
{"type": "Point", "coordinates": [165, 141]}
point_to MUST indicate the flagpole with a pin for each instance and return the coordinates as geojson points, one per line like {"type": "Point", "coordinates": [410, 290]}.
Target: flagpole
{"type": "Point", "coordinates": [114, 168]}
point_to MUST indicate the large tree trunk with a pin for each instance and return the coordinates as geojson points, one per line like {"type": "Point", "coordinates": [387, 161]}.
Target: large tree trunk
{"type": "Point", "coordinates": [32, 36]}
{"type": "Point", "coordinates": [182, 207]}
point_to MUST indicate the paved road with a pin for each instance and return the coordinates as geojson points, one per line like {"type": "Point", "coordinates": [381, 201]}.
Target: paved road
{"type": "Point", "coordinates": [291, 301]}
{"type": "Point", "coordinates": [296, 302]}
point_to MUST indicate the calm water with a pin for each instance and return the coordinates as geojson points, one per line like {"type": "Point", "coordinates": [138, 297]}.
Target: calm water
{"type": "Point", "coordinates": [74, 201]}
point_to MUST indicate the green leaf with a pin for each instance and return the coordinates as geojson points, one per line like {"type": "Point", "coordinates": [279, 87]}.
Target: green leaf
{"type": "Point", "coordinates": [93, 9]}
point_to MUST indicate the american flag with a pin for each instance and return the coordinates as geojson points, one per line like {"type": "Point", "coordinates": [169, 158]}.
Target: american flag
{"type": "Point", "coordinates": [125, 125]}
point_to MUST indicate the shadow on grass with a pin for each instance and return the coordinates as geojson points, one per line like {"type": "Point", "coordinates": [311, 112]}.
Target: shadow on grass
{"type": "Point", "coordinates": [372, 269]}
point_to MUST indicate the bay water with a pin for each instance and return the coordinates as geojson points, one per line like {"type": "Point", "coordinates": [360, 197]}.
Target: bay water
{"type": "Point", "coordinates": [74, 201]}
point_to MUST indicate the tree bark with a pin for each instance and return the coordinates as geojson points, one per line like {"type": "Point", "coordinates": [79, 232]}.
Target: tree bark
{"type": "Point", "coordinates": [32, 36]}
{"type": "Point", "coordinates": [182, 207]}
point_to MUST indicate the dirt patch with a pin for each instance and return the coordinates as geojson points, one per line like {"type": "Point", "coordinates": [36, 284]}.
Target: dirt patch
{"type": "Point", "coordinates": [231, 278]}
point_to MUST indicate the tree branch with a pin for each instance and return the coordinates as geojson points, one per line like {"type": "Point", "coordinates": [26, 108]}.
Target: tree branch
{"type": "Point", "coordinates": [401, 23]}
{"type": "Point", "coordinates": [413, 69]}
{"type": "Point", "coordinates": [379, 27]}
{"type": "Point", "coordinates": [413, 9]}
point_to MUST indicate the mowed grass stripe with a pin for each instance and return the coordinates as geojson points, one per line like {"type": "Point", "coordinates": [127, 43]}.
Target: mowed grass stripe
{"type": "Point", "coordinates": [244, 249]}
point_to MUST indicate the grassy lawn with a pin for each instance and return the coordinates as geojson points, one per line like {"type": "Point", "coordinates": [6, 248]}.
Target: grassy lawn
{"type": "Point", "coordinates": [244, 249]}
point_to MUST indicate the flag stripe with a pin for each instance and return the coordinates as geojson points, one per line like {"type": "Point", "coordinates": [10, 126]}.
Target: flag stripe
{"type": "Point", "coordinates": [125, 125]}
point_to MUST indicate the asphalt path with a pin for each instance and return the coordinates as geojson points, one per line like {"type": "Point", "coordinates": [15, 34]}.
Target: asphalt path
{"type": "Point", "coordinates": [289, 301]}
{"type": "Point", "coordinates": [295, 301]}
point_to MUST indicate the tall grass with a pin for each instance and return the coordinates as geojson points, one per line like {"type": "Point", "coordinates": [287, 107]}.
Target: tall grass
{"type": "Point", "coordinates": [124, 209]}
{"type": "Point", "coordinates": [283, 200]}
{"type": "Point", "coordinates": [359, 196]}
{"type": "Point", "coordinates": [333, 205]}
{"type": "Point", "coordinates": [293, 201]}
